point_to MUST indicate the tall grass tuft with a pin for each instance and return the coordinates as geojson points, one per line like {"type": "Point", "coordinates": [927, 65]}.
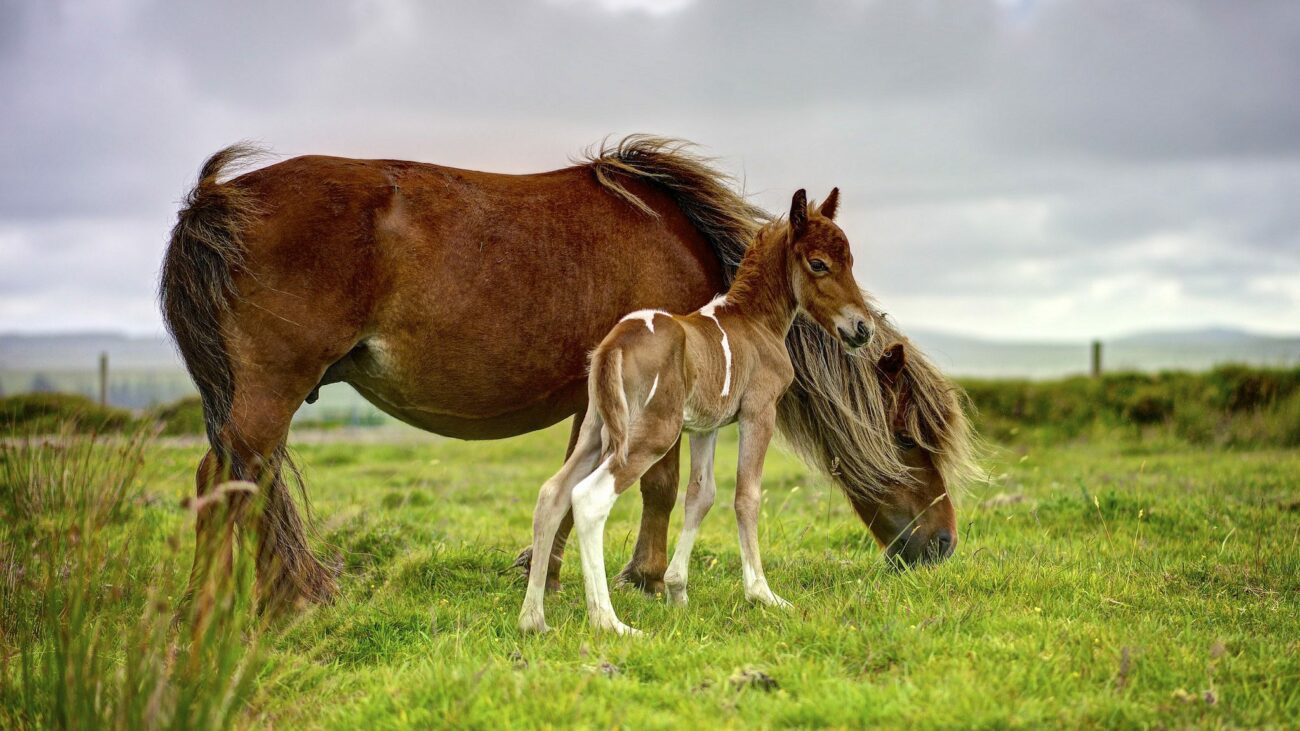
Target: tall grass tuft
{"type": "Point", "coordinates": [89, 633]}
{"type": "Point", "coordinates": [70, 478]}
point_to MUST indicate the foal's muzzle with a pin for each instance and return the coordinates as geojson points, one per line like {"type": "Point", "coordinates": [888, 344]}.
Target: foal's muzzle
{"type": "Point", "coordinates": [860, 336]}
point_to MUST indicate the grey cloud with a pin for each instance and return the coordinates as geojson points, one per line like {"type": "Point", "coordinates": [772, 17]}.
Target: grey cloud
{"type": "Point", "coordinates": [1023, 153]}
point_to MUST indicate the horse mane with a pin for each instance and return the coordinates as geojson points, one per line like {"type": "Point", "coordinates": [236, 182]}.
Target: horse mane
{"type": "Point", "coordinates": [705, 194]}
{"type": "Point", "coordinates": [935, 415]}
{"type": "Point", "coordinates": [835, 415]}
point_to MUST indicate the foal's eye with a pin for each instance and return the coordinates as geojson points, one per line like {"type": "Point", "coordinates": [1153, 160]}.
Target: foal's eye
{"type": "Point", "coordinates": [903, 440]}
{"type": "Point", "coordinates": [818, 266]}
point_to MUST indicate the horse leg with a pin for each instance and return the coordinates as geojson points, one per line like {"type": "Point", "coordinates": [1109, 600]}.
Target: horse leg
{"type": "Point", "coordinates": [699, 498]}
{"type": "Point", "coordinates": [553, 509]}
{"type": "Point", "coordinates": [595, 496]}
{"type": "Point", "coordinates": [755, 435]}
{"type": "Point", "coordinates": [253, 443]}
{"type": "Point", "coordinates": [649, 559]}
{"type": "Point", "coordinates": [525, 558]}
{"type": "Point", "coordinates": [214, 536]}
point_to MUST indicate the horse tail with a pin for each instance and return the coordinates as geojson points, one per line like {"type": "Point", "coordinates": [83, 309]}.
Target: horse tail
{"type": "Point", "coordinates": [197, 284]}
{"type": "Point", "coordinates": [835, 414]}
{"type": "Point", "coordinates": [610, 400]}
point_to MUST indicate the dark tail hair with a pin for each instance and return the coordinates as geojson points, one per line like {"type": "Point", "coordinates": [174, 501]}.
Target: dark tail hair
{"type": "Point", "coordinates": [834, 415]}
{"type": "Point", "coordinates": [197, 290]}
{"type": "Point", "coordinates": [197, 283]}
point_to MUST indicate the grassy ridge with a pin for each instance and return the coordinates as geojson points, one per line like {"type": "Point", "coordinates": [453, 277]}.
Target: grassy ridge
{"type": "Point", "coordinates": [1233, 406]}
{"type": "Point", "coordinates": [1100, 583]}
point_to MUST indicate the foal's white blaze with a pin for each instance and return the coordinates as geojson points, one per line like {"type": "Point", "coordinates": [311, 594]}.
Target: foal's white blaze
{"type": "Point", "coordinates": [646, 316]}
{"type": "Point", "coordinates": [653, 386]}
{"type": "Point", "coordinates": [710, 311]}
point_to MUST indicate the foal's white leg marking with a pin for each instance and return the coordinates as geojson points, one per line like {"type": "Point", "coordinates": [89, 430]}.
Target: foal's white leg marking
{"type": "Point", "coordinates": [647, 316]}
{"type": "Point", "coordinates": [710, 311]}
{"type": "Point", "coordinates": [552, 504]}
{"type": "Point", "coordinates": [699, 498]}
{"type": "Point", "coordinates": [653, 386]}
{"type": "Point", "coordinates": [592, 500]}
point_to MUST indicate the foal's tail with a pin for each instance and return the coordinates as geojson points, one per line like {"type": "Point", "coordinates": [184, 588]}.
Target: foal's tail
{"type": "Point", "coordinates": [197, 285]}
{"type": "Point", "coordinates": [611, 402]}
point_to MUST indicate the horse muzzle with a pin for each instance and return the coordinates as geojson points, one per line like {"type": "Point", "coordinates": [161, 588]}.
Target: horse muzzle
{"type": "Point", "coordinates": [914, 550]}
{"type": "Point", "coordinates": [860, 335]}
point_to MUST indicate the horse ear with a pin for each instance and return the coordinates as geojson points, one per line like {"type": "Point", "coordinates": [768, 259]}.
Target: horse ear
{"type": "Point", "coordinates": [891, 362]}
{"type": "Point", "coordinates": [831, 203]}
{"type": "Point", "coordinates": [799, 213]}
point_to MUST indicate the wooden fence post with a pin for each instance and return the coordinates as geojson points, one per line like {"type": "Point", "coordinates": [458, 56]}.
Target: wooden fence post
{"type": "Point", "coordinates": [103, 379]}
{"type": "Point", "coordinates": [1096, 359]}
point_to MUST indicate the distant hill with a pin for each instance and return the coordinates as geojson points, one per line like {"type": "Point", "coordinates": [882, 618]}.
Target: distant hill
{"type": "Point", "coordinates": [80, 351]}
{"type": "Point", "coordinates": [1193, 350]}
{"type": "Point", "coordinates": [146, 370]}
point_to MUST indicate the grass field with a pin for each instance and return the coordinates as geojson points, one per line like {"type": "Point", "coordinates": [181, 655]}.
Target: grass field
{"type": "Point", "coordinates": [1098, 583]}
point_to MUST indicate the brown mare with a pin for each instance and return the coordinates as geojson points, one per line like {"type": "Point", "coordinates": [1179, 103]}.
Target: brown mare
{"type": "Point", "coordinates": [656, 375]}
{"type": "Point", "coordinates": [465, 303]}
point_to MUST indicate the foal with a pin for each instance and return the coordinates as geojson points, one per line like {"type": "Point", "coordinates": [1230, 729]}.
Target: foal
{"type": "Point", "coordinates": [655, 375]}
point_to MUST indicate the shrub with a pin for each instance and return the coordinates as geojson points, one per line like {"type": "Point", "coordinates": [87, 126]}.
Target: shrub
{"type": "Point", "coordinates": [179, 417]}
{"type": "Point", "coordinates": [1148, 404]}
{"type": "Point", "coordinates": [1230, 405]}
{"type": "Point", "coordinates": [46, 413]}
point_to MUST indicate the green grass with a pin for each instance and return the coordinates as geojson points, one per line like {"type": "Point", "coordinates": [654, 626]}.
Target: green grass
{"type": "Point", "coordinates": [86, 634]}
{"type": "Point", "coordinates": [1098, 583]}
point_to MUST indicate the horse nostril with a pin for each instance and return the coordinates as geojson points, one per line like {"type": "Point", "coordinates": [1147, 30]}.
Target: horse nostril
{"type": "Point", "coordinates": [943, 544]}
{"type": "Point", "coordinates": [864, 332]}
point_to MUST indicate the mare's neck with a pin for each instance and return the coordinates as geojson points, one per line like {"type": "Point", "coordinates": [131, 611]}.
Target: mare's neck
{"type": "Point", "coordinates": [761, 291]}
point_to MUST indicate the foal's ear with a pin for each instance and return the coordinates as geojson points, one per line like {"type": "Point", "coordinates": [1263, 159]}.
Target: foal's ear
{"type": "Point", "coordinates": [891, 362]}
{"type": "Point", "coordinates": [831, 203]}
{"type": "Point", "coordinates": [799, 213]}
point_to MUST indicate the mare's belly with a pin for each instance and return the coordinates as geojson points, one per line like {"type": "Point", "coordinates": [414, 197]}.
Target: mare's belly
{"type": "Point", "coordinates": [466, 393]}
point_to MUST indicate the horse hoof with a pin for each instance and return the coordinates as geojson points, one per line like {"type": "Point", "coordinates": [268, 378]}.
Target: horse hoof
{"type": "Point", "coordinates": [630, 576]}
{"type": "Point", "coordinates": [524, 562]}
{"type": "Point", "coordinates": [769, 598]}
{"type": "Point", "coordinates": [676, 594]}
{"type": "Point", "coordinates": [622, 630]}
{"type": "Point", "coordinates": [531, 623]}
{"type": "Point", "coordinates": [611, 623]}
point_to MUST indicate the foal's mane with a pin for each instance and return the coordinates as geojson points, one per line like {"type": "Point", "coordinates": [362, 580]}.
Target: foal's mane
{"type": "Point", "coordinates": [836, 414]}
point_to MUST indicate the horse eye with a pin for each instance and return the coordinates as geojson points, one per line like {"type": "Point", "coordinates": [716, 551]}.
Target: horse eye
{"type": "Point", "coordinates": [819, 266]}
{"type": "Point", "coordinates": [904, 441]}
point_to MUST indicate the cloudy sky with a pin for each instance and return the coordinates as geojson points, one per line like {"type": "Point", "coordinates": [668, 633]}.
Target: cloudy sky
{"type": "Point", "coordinates": [1010, 168]}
